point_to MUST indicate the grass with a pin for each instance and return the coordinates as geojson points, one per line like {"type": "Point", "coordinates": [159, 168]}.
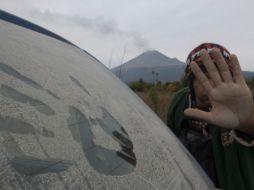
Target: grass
{"type": "Point", "coordinates": [158, 96]}
{"type": "Point", "coordinates": [159, 102]}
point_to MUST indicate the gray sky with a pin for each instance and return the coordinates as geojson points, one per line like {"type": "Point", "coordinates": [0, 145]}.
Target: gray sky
{"type": "Point", "coordinates": [115, 31]}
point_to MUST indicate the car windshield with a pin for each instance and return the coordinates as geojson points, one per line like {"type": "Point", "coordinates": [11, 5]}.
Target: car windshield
{"type": "Point", "coordinates": [66, 122]}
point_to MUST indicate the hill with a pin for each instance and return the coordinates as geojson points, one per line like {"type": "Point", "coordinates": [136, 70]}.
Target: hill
{"type": "Point", "coordinates": [152, 67]}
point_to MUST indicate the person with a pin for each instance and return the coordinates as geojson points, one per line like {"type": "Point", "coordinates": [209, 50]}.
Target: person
{"type": "Point", "coordinates": [214, 117]}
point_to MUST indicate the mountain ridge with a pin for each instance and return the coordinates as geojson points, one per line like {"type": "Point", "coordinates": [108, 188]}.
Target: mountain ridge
{"type": "Point", "coordinates": [153, 66]}
{"type": "Point", "coordinates": [149, 58]}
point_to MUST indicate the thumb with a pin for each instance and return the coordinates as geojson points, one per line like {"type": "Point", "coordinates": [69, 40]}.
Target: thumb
{"type": "Point", "coordinates": [198, 114]}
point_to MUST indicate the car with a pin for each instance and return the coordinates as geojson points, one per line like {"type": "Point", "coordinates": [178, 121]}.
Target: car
{"type": "Point", "coordinates": [66, 122]}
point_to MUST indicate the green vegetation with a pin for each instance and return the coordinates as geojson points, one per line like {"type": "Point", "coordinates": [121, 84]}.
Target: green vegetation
{"type": "Point", "coordinates": [250, 83]}
{"type": "Point", "coordinates": [156, 96]}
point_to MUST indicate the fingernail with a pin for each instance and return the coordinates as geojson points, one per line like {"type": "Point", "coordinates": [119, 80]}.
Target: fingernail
{"type": "Point", "coordinates": [214, 50]}
{"type": "Point", "coordinates": [192, 65]}
{"type": "Point", "coordinates": [202, 52]}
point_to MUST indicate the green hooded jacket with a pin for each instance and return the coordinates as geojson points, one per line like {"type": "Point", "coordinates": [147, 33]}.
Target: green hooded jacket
{"type": "Point", "coordinates": [234, 162]}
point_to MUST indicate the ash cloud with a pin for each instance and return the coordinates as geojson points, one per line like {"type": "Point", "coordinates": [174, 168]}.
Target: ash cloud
{"type": "Point", "coordinates": [98, 24]}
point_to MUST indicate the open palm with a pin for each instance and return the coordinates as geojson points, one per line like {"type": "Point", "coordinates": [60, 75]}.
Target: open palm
{"type": "Point", "coordinates": [230, 97]}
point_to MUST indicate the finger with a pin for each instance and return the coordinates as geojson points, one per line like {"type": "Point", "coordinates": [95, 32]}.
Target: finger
{"type": "Point", "coordinates": [200, 76]}
{"type": "Point", "coordinates": [210, 67]}
{"type": "Point", "coordinates": [236, 69]}
{"type": "Point", "coordinates": [222, 65]}
{"type": "Point", "coordinates": [198, 114]}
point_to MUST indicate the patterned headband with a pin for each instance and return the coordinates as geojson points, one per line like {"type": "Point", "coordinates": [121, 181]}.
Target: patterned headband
{"type": "Point", "coordinates": [194, 55]}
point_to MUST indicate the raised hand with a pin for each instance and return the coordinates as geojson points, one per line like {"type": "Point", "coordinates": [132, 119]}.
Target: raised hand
{"type": "Point", "coordinates": [230, 97]}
